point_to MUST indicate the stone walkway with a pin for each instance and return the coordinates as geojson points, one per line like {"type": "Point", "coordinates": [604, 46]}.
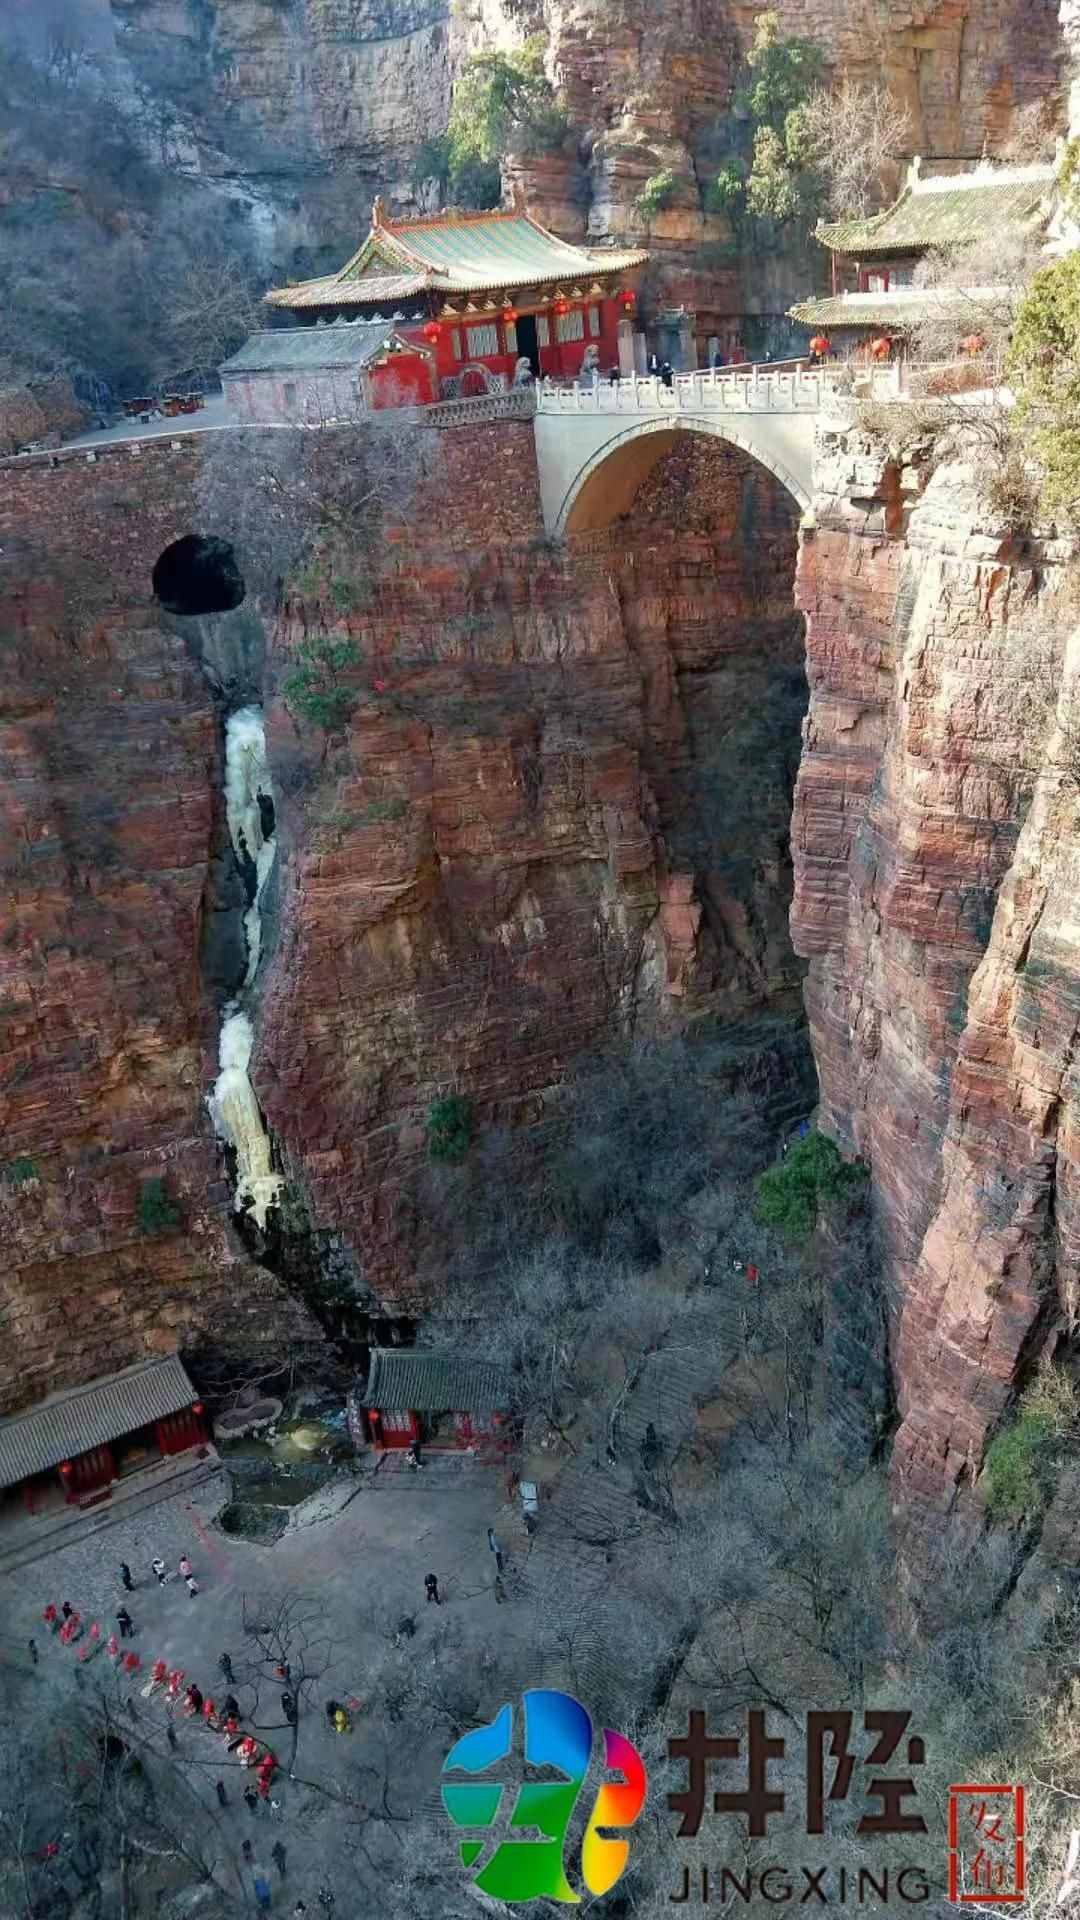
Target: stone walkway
{"type": "Point", "coordinates": [359, 1568]}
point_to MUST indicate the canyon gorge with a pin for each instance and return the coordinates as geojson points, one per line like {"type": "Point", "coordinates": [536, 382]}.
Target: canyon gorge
{"type": "Point", "coordinates": [711, 761]}
{"type": "Point", "coordinates": [561, 813]}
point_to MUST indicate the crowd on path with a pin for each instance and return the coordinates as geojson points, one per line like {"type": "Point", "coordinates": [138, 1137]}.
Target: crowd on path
{"type": "Point", "coordinates": [218, 1719]}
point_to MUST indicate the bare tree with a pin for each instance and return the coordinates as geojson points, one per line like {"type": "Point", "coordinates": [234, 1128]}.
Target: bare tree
{"type": "Point", "coordinates": [287, 1652]}
{"type": "Point", "coordinates": [214, 305]}
{"type": "Point", "coordinates": [853, 136]}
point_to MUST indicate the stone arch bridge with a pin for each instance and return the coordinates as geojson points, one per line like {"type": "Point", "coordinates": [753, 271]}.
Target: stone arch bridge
{"type": "Point", "coordinates": [595, 445]}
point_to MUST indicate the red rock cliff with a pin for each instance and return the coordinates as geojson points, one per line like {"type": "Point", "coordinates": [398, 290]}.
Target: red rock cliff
{"type": "Point", "coordinates": [934, 882]}
{"type": "Point", "coordinates": [539, 831]}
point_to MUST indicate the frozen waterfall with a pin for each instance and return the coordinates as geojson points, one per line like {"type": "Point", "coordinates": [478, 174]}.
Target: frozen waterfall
{"type": "Point", "coordinates": [237, 1120]}
{"type": "Point", "coordinates": [249, 812]}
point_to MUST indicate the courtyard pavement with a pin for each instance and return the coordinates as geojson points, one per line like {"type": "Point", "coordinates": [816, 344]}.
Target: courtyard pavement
{"type": "Point", "coordinates": [362, 1569]}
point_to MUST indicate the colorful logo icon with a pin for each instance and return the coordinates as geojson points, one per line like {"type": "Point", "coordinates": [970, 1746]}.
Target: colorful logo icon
{"type": "Point", "coordinates": [516, 1840]}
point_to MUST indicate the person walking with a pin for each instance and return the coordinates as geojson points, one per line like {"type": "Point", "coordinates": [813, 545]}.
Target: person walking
{"type": "Point", "coordinates": [277, 1855]}
{"type": "Point", "coordinates": [225, 1667]}
{"type": "Point", "coordinates": [191, 1584]}
{"type": "Point", "coordinates": [667, 374]}
{"type": "Point", "coordinates": [248, 1852]}
{"type": "Point", "coordinates": [126, 1580]}
{"type": "Point", "coordinates": [67, 1609]}
{"type": "Point", "coordinates": [263, 1895]}
{"type": "Point", "coordinates": [325, 1899]}
{"type": "Point", "coordinates": [184, 1566]}
{"type": "Point", "coordinates": [161, 1570]}
{"type": "Point", "coordinates": [495, 1549]}
{"type": "Point", "coordinates": [251, 1799]}
{"type": "Point", "coordinates": [431, 1588]}
{"type": "Point", "coordinates": [222, 1796]}
{"type": "Point", "coordinates": [33, 1652]}
{"type": "Point", "coordinates": [288, 1708]}
{"type": "Point", "coordinates": [170, 1735]}
{"type": "Point", "coordinates": [299, 1910]}
{"type": "Point", "coordinates": [231, 1709]}
{"type": "Point", "coordinates": [125, 1623]}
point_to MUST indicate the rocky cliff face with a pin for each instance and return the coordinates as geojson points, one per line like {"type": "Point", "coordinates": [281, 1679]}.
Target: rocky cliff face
{"type": "Point", "coordinates": [303, 112]}
{"type": "Point", "coordinates": [110, 835]}
{"type": "Point", "coordinates": [538, 834]}
{"type": "Point", "coordinates": [936, 850]}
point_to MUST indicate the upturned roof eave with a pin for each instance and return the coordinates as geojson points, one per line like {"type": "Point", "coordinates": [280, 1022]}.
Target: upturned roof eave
{"type": "Point", "coordinates": [341, 292]}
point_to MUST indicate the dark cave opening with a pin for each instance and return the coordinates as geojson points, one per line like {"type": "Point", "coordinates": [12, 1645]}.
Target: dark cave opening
{"type": "Point", "coordinates": [198, 574]}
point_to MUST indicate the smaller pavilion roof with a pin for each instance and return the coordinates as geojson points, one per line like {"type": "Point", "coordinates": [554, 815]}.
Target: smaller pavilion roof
{"type": "Point", "coordinates": [413, 1380]}
{"type": "Point", "coordinates": [67, 1424]}
{"type": "Point", "coordinates": [454, 253]}
{"type": "Point", "coordinates": [315, 349]}
{"type": "Point", "coordinates": [901, 310]}
{"type": "Point", "coordinates": [946, 210]}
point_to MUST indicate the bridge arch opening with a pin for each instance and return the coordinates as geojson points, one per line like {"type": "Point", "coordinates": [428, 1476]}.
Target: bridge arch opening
{"type": "Point", "coordinates": [697, 540]}
{"type": "Point", "coordinates": [603, 488]}
{"type": "Point", "coordinates": [198, 574]}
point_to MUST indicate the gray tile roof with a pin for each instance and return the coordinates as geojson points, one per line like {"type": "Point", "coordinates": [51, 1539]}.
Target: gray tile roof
{"type": "Point", "coordinates": [311, 349]}
{"type": "Point", "coordinates": [71, 1423]}
{"type": "Point", "coordinates": [411, 1380]}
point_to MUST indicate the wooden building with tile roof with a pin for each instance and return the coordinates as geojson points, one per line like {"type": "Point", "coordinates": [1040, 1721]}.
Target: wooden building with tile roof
{"type": "Point", "coordinates": [444, 1400]}
{"type": "Point", "coordinates": [873, 261]}
{"type": "Point", "coordinates": [484, 291]}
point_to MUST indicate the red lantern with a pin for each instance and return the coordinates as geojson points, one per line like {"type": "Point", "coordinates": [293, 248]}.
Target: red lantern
{"type": "Point", "coordinates": [628, 298]}
{"type": "Point", "coordinates": [66, 1468]}
{"type": "Point", "coordinates": [820, 344]}
{"type": "Point", "coordinates": [881, 348]}
{"type": "Point", "coordinates": [561, 306]}
{"type": "Point", "coordinates": [432, 331]}
{"type": "Point", "coordinates": [509, 315]}
{"type": "Point", "coordinates": [198, 1407]}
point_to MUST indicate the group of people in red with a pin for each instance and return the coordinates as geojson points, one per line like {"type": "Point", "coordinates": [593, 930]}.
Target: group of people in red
{"type": "Point", "coordinates": [68, 1627]}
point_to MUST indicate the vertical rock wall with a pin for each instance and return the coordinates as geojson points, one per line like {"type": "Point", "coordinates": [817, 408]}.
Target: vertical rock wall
{"type": "Point", "coordinates": [935, 873]}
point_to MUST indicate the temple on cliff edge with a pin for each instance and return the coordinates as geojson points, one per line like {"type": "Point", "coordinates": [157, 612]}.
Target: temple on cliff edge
{"type": "Point", "coordinates": [472, 294]}
{"type": "Point", "coordinates": [873, 262]}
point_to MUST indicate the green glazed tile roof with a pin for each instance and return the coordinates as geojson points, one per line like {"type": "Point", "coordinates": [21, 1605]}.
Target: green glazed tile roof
{"type": "Point", "coordinates": [838, 312]}
{"type": "Point", "coordinates": [455, 253]}
{"type": "Point", "coordinates": [943, 213]}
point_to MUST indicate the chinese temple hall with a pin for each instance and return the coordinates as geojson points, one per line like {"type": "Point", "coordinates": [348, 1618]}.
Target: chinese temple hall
{"type": "Point", "coordinates": [483, 293]}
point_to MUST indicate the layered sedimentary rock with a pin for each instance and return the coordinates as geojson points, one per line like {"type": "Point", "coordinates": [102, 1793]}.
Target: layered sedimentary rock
{"type": "Point", "coordinates": [301, 113]}
{"type": "Point", "coordinates": [936, 849]}
{"type": "Point", "coordinates": [109, 813]}
{"type": "Point", "coordinates": [649, 92]}
{"type": "Point", "coordinates": [538, 835]}
{"type": "Point", "coordinates": [538, 832]}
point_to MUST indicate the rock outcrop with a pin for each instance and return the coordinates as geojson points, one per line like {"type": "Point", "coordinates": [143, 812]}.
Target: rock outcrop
{"type": "Point", "coordinates": [108, 819]}
{"type": "Point", "coordinates": [537, 833]}
{"type": "Point", "coordinates": [936, 853]}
